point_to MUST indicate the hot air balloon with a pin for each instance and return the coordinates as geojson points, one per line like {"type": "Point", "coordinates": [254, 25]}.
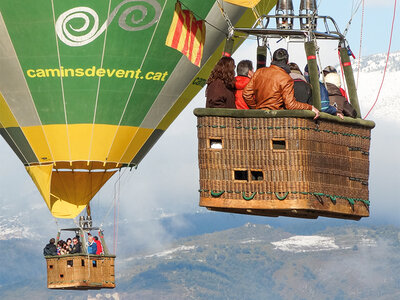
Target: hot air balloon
{"type": "Point", "coordinates": [88, 87]}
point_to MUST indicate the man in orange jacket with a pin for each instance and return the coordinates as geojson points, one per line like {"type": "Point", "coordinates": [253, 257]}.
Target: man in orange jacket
{"type": "Point", "coordinates": [272, 87]}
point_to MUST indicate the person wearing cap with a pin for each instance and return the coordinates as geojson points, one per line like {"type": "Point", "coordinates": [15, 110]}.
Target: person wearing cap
{"type": "Point", "coordinates": [272, 87]}
{"type": "Point", "coordinates": [329, 70]}
{"type": "Point", "coordinates": [325, 104]}
{"type": "Point", "coordinates": [50, 249]}
{"type": "Point", "coordinates": [244, 72]}
{"type": "Point", "coordinates": [336, 98]}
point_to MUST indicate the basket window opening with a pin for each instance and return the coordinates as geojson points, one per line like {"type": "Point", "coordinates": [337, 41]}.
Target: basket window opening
{"type": "Point", "coordinates": [215, 143]}
{"type": "Point", "coordinates": [278, 144]}
{"type": "Point", "coordinates": [256, 175]}
{"type": "Point", "coordinates": [241, 175]}
{"type": "Point", "coordinates": [82, 262]}
{"type": "Point", "coordinates": [61, 275]}
{"type": "Point", "coordinates": [50, 266]}
{"type": "Point", "coordinates": [70, 263]}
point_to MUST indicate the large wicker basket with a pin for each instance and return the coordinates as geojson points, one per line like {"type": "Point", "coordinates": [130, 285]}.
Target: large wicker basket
{"type": "Point", "coordinates": [283, 163]}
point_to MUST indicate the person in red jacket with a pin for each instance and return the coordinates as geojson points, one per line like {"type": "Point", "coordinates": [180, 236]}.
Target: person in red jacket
{"type": "Point", "coordinates": [244, 72]}
{"type": "Point", "coordinates": [99, 249]}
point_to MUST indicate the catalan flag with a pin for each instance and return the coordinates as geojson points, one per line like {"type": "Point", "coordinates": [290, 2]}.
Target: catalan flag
{"type": "Point", "coordinates": [187, 35]}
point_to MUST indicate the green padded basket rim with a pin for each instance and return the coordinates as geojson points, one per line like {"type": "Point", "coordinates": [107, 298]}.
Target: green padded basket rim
{"type": "Point", "coordinates": [260, 113]}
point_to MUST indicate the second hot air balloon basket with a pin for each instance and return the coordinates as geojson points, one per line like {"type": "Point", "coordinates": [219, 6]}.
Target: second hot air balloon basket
{"type": "Point", "coordinates": [283, 163]}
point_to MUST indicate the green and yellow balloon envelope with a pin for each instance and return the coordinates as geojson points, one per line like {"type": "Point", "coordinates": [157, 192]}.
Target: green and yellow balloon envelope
{"type": "Point", "coordinates": [88, 87]}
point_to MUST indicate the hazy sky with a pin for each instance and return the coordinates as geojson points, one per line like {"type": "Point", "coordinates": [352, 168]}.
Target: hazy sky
{"type": "Point", "coordinates": [167, 179]}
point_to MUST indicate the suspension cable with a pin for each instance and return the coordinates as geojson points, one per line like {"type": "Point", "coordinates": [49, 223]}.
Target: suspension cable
{"type": "Point", "coordinates": [361, 40]}
{"type": "Point", "coordinates": [351, 18]}
{"type": "Point", "coordinates": [387, 59]}
{"type": "Point", "coordinates": [227, 20]}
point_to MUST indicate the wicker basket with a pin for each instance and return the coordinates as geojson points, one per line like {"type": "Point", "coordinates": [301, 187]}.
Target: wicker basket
{"type": "Point", "coordinates": [80, 272]}
{"type": "Point", "coordinates": [283, 163]}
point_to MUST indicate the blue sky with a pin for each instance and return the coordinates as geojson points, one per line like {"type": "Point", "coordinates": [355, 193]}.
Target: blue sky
{"type": "Point", "coordinates": [167, 178]}
{"type": "Point", "coordinates": [377, 23]}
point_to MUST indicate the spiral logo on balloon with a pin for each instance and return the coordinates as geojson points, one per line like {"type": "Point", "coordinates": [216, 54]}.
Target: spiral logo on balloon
{"type": "Point", "coordinates": [70, 35]}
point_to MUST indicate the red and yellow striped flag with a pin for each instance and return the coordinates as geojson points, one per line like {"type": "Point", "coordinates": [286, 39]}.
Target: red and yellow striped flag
{"type": "Point", "coordinates": [187, 35]}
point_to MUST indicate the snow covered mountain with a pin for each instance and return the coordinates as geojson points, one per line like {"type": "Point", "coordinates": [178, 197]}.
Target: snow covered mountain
{"type": "Point", "coordinates": [369, 82]}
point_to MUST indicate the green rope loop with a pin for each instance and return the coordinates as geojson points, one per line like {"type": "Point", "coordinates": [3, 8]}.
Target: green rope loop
{"type": "Point", "coordinates": [351, 201]}
{"type": "Point", "coordinates": [281, 198]}
{"type": "Point", "coordinates": [250, 197]}
{"type": "Point", "coordinates": [217, 194]}
{"type": "Point", "coordinates": [333, 198]}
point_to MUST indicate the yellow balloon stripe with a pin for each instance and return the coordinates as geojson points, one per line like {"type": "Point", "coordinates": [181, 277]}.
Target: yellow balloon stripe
{"type": "Point", "coordinates": [6, 116]}
{"type": "Point", "coordinates": [124, 147]}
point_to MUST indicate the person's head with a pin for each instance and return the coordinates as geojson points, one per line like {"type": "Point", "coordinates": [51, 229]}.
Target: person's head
{"type": "Point", "coordinates": [69, 241]}
{"type": "Point", "coordinates": [329, 69]}
{"type": "Point", "coordinates": [245, 68]}
{"type": "Point", "coordinates": [95, 238]}
{"type": "Point", "coordinates": [333, 78]}
{"type": "Point", "coordinates": [90, 238]}
{"type": "Point", "coordinates": [52, 241]}
{"type": "Point", "coordinates": [281, 55]}
{"type": "Point", "coordinates": [75, 240]}
{"type": "Point", "coordinates": [294, 67]}
{"type": "Point", "coordinates": [306, 73]}
{"type": "Point", "coordinates": [225, 71]}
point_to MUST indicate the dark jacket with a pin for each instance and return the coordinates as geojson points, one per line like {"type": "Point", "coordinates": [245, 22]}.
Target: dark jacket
{"type": "Point", "coordinates": [302, 89]}
{"type": "Point", "coordinates": [240, 84]}
{"type": "Point", "coordinates": [50, 250]}
{"type": "Point", "coordinates": [219, 96]}
{"type": "Point", "coordinates": [272, 88]}
{"type": "Point", "coordinates": [342, 105]}
{"type": "Point", "coordinates": [76, 248]}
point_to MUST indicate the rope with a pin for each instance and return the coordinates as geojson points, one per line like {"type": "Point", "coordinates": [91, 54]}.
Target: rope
{"type": "Point", "coordinates": [251, 197]}
{"type": "Point", "coordinates": [117, 187]}
{"type": "Point", "coordinates": [351, 18]}
{"type": "Point", "coordinates": [289, 127]}
{"type": "Point", "coordinates": [361, 40]}
{"type": "Point", "coordinates": [226, 17]}
{"type": "Point", "coordinates": [333, 198]}
{"type": "Point", "coordinates": [112, 202]}
{"type": "Point", "coordinates": [117, 221]}
{"type": "Point", "coordinates": [387, 59]}
{"type": "Point", "coordinates": [342, 72]}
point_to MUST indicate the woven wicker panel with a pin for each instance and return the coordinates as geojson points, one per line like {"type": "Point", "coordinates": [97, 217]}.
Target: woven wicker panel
{"type": "Point", "coordinates": [295, 166]}
{"type": "Point", "coordinates": [80, 272]}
